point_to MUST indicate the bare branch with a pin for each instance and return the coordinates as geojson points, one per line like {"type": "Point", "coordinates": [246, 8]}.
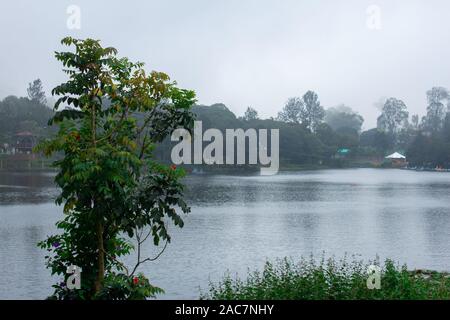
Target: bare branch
{"type": "Point", "coordinates": [139, 243]}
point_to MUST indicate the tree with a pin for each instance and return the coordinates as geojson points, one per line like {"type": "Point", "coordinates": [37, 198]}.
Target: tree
{"type": "Point", "coordinates": [22, 114]}
{"type": "Point", "coordinates": [393, 116]}
{"type": "Point", "coordinates": [36, 92]}
{"type": "Point", "coordinates": [434, 119]}
{"type": "Point", "coordinates": [292, 110]}
{"type": "Point", "coordinates": [110, 185]}
{"type": "Point", "coordinates": [312, 113]}
{"type": "Point", "coordinates": [429, 151]}
{"type": "Point", "coordinates": [446, 129]}
{"type": "Point", "coordinates": [251, 114]}
{"type": "Point", "coordinates": [415, 123]}
{"type": "Point", "coordinates": [343, 117]}
{"type": "Point", "coordinates": [327, 135]}
{"type": "Point", "coordinates": [376, 140]}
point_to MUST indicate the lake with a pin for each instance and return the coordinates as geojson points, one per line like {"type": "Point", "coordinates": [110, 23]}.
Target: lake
{"type": "Point", "coordinates": [237, 222]}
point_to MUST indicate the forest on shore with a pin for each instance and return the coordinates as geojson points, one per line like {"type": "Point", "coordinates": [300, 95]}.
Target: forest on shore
{"type": "Point", "coordinates": [310, 134]}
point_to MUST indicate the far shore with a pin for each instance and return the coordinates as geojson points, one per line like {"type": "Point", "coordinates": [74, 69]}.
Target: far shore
{"type": "Point", "coordinates": [243, 170]}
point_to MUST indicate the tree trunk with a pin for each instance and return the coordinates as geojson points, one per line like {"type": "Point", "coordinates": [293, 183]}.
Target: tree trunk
{"type": "Point", "coordinates": [101, 258]}
{"type": "Point", "coordinates": [100, 228]}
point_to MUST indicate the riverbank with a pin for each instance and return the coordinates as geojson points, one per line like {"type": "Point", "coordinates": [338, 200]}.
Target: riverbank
{"type": "Point", "coordinates": [33, 162]}
{"type": "Point", "coordinates": [286, 167]}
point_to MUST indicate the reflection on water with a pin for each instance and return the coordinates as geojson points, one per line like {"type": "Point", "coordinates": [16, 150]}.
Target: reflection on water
{"type": "Point", "coordinates": [238, 222]}
{"type": "Point", "coordinates": [26, 188]}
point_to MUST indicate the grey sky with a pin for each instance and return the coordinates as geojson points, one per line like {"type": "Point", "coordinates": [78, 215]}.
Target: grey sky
{"type": "Point", "coordinates": [247, 53]}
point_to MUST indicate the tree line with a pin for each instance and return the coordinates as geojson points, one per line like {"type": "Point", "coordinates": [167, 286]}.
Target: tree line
{"type": "Point", "coordinates": [425, 141]}
{"type": "Point", "coordinates": [310, 134]}
{"type": "Point", "coordinates": [29, 113]}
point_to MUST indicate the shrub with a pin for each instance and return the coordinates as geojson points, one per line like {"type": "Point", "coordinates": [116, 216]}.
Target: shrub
{"type": "Point", "coordinates": [330, 279]}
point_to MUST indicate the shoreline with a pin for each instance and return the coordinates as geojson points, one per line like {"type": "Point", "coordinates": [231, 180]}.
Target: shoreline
{"type": "Point", "coordinates": [239, 171]}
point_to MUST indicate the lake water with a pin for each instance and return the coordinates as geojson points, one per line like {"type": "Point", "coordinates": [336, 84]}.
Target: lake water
{"type": "Point", "coordinates": [237, 222]}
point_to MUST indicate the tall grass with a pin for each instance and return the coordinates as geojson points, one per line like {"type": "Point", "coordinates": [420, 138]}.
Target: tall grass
{"type": "Point", "coordinates": [330, 280]}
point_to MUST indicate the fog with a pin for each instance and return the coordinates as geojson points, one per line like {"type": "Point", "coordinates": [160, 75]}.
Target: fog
{"type": "Point", "coordinates": [247, 53]}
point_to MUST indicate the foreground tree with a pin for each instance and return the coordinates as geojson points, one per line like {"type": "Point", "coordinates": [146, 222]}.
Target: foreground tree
{"type": "Point", "coordinates": [109, 184]}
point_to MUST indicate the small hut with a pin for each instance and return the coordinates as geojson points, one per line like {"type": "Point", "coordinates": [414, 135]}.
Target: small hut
{"type": "Point", "coordinates": [397, 159]}
{"type": "Point", "coordinates": [25, 142]}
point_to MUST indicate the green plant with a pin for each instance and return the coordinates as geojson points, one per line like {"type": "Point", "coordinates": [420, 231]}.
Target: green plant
{"type": "Point", "coordinates": [110, 186]}
{"type": "Point", "coordinates": [329, 280]}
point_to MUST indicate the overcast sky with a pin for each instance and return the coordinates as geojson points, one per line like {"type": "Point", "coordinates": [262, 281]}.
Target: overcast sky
{"type": "Point", "coordinates": [247, 53]}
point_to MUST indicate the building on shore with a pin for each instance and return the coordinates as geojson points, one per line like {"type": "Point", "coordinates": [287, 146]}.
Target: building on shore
{"type": "Point", "coordinates": [397, 159]}
{"type": "Point", "coordinates": [25, 142]}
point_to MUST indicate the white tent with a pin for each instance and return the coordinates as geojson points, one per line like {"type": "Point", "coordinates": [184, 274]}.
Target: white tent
{"type": "Point", "coordinates": [396, 155]}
